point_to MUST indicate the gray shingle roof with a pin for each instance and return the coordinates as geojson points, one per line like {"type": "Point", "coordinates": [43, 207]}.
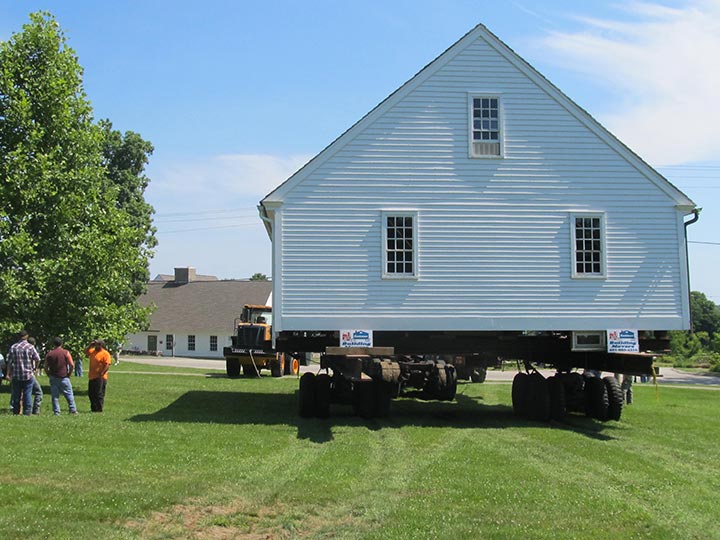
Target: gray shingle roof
{"type": "Point", "coordinates": [202, 307]}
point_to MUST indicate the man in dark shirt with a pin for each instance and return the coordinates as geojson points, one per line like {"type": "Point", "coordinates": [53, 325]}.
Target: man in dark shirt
{"type": "Point", "coordinates": [22, 362]}
{"type": "Point", "coordinates": [59, 365]}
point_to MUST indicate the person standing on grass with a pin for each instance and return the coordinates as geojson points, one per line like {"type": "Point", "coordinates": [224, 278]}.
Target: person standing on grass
{"type": "Point", "coordinates": [23, 359]}
{"type": "Point", "coordinates": [37, 391]}
{"type": "Point", "coordinates": [100, 361]}
{"type": "Point", "coordinates": [59, 365]}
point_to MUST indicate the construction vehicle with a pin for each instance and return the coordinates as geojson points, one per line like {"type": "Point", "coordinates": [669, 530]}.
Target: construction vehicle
{"type": "Point", "coordinates": [251, 348]}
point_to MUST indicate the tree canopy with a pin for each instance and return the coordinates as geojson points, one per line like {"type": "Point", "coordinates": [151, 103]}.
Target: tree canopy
{"type": "Point", "coordinates": [75, 230]}
{"type": "Point", "coordinates": [705, 314]}
{"type": "Point", "coordinates": [257, 276]}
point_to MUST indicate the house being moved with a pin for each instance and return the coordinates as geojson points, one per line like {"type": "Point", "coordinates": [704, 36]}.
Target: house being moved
{"type": "Point", "coordinates": [476, 206]}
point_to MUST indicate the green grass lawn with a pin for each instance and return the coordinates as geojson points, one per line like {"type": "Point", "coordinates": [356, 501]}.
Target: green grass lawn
{"type": "Point", "coordinates": [177, 457]}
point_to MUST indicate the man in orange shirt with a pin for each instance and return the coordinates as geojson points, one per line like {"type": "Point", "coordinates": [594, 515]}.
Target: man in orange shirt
{"type": "Point", "coordinates": [100, 361]}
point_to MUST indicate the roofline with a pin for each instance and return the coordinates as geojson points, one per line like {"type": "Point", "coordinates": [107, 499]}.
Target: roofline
{"type": "Point", "coordinates": [277, 195]}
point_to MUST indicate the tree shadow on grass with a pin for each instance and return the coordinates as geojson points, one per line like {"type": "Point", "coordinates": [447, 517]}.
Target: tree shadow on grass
{"type": "Point", "coordinates": [265, 408]}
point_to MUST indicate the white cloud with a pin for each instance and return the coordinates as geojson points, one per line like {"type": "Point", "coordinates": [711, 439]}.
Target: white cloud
{"type": "Point", "coordinates": [234, 176]}
{"type": "Point", "coordinates": [661, 66]}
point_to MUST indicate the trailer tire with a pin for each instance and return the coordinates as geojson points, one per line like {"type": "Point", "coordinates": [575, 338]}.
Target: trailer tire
{"type": "Point", "coordinates": [615, 398]}
{"type": "Point", "coordinates": [520, 394]}
{"type": "Point", "coordinates": [364, 398]}
{"type": "Point", "coordinates": [306, 396]}
{"type": "Point", "coordinates": [322, 395]}
{"type": "Point", "coordinates": [596, 398]}
{"type": "Point", "coordinates": [558, 404]}
{"type": "Point", "coordinates": [383, 397]}
{"type": "Point", "coordinates": [538, 398]}
{"type": "Point", "coordinates": [448, 393]}
{"type": "Point", "coordinates": [478, 375]}
{"type": "Point", "coordinates": [232, 367]}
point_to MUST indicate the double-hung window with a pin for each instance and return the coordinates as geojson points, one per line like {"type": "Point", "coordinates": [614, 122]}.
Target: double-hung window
{"type": "Point", "coordinates": [588, 240]}
{"type": "Point", "coordinates": [213, 343]}
{"type": "Point", "coordinates": [399, 244]}
{"type": "Point", "coordinates": [191, 343]}
{"type": "Point", "coordinates": [485, 126]}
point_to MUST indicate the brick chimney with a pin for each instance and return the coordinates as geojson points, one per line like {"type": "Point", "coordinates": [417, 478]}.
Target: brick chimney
{"type": "Point", "coordinates": [185, 275]}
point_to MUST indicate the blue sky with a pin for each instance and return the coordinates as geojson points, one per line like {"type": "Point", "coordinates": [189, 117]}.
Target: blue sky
{"type": "Point", "coordinates": [237, 95]}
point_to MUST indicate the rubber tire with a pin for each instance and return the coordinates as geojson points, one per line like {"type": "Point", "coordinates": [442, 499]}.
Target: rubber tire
{"type": "Point", "coordinates": [383, 397]}
{"type": "Point", "coordinates": [322, 395]}
{"type": "Point", "coordinates": [539, 398]}
{"type": "Point", "coordinates": [364, 398]}
{"type": "Point", "coordinates": [520, 385]}
{"type": "Point", "coordinates": [615, 398]}
{"type": "Point", "coordinates": [306, 396]}
{"type": "Point", "coordinates": [250, 372]}
{"type": "Point", "coordinates": [448, 392]}
{"type": "Point", "coordinates": [558, 405]}
{"type": "Point", "coordinates": [478, 375]}
{"type": "Point", "coordinates": [292, 366]}
{"type": "Point", "coordinates": [232, 367]}
{"type": "Point", "coordinates": [596, 399]}
{"type": "Point", "coordinates": [277, 366]}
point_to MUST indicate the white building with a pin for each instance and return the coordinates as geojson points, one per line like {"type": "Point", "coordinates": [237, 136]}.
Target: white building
{"type": "Point", "coordinates": [478, 197]}
{"type": "Point", "coordinates": [194, 314]}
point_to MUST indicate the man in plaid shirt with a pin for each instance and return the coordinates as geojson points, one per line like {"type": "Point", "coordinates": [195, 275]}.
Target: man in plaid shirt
{"type": "Point", "coordinates": [22, 362]}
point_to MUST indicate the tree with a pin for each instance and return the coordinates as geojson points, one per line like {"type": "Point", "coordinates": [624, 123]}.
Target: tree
{"type": "Point", "coordinates": [74, 240]}
{"type": "Point", "coordinates": [259, 277]}
{"type": "Point", "coordinates": [705, 314]}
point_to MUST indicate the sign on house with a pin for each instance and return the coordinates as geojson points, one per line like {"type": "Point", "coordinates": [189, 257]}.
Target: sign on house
{"type": "Point", "coordinates": [356, 338]}
{"type": "Point", "coordinates": [623, 341]}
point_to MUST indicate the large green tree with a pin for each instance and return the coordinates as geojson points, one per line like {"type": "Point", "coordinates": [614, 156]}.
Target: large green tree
{"type": "Point", "coordinates": [705, 313]}
{"type": "Point", "coordinates": [75, 232]}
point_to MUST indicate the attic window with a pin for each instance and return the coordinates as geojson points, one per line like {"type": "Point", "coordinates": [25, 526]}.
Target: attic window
{"type": "Point", "coordinates": [588, 237]}
{"type": "Point", "coordinates": [400, 244]}
{"type": "Point", "coordinates": [485, 128]}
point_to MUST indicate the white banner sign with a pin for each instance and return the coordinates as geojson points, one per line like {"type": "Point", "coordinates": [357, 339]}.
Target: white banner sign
{"type": "Point", "coordinates": [356, 338]}
{"type": "Point", "coordinates": [623, 340]}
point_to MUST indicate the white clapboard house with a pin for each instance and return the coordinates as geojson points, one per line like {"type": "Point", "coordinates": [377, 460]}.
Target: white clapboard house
{"type": "Point", "coordinates": [193, 315]}
{"type": "Point", "coordinates": [478, 197]}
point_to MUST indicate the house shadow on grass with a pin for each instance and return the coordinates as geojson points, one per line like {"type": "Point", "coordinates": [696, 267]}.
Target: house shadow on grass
{"type": "Point", "coordinates": [238, 408]}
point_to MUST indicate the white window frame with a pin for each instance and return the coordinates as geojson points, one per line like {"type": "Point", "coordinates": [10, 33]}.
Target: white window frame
{"type": "Point", "coordinates": [191, 342]}
{"type": "Point", "coordinates": [600, 346]}
{"type": "Point", "coordinates": [169, 342]}
{"type": "Point", "coordinates": [603, 246]}
{"type": "Point", "coordinates": [213, 346]}
{"type": "Point", "coordinates": [471, 125]}
{"type": "Point", "coordinates": [385, 214]}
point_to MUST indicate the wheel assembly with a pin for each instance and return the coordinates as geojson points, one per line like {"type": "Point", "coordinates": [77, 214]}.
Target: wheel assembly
{"type": "Point", "coordinates": [232, 367]}
{"type": "Point", "coordinates": [615, 397]}
{"type": "Point", "coordinates": [596, 398]}
{"type": "Point", "coordinates": [306, 397]}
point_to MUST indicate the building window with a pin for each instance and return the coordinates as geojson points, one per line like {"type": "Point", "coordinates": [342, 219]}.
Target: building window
{"type": "Point", "coordinates": [588, 341]}
{"type": "Point", "coordinates": [588, 237]}
{"type": "Point", "coordinates": [400, 244]}
{"type": "Point", "coordinates": [169, 342]}
{"type": "Point", "coordinates": [213, 343]}
{"type": "Point", "coordinates": [191, 343]}
{"type": "Point", "coordinates": [485, 126]}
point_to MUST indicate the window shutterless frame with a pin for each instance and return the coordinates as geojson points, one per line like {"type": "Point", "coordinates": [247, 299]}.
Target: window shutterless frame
{"type": "Point", "coordinates": [399, 244]}
{"type": "Point", "coordinates": [588, 245]}
{"type": "Point", "coordinates": [486, 126]}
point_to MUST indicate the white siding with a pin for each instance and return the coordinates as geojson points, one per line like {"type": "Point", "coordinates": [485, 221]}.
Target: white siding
{"type": "Point", "coordinates": [139, 343]}
{"type": "Point", "coordinates": [494, 234]}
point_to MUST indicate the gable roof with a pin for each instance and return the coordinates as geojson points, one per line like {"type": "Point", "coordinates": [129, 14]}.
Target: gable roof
{"type": "Point", "coordinates": [479, 32]}
{"type": "Point", "coordinates": [203, 307]}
